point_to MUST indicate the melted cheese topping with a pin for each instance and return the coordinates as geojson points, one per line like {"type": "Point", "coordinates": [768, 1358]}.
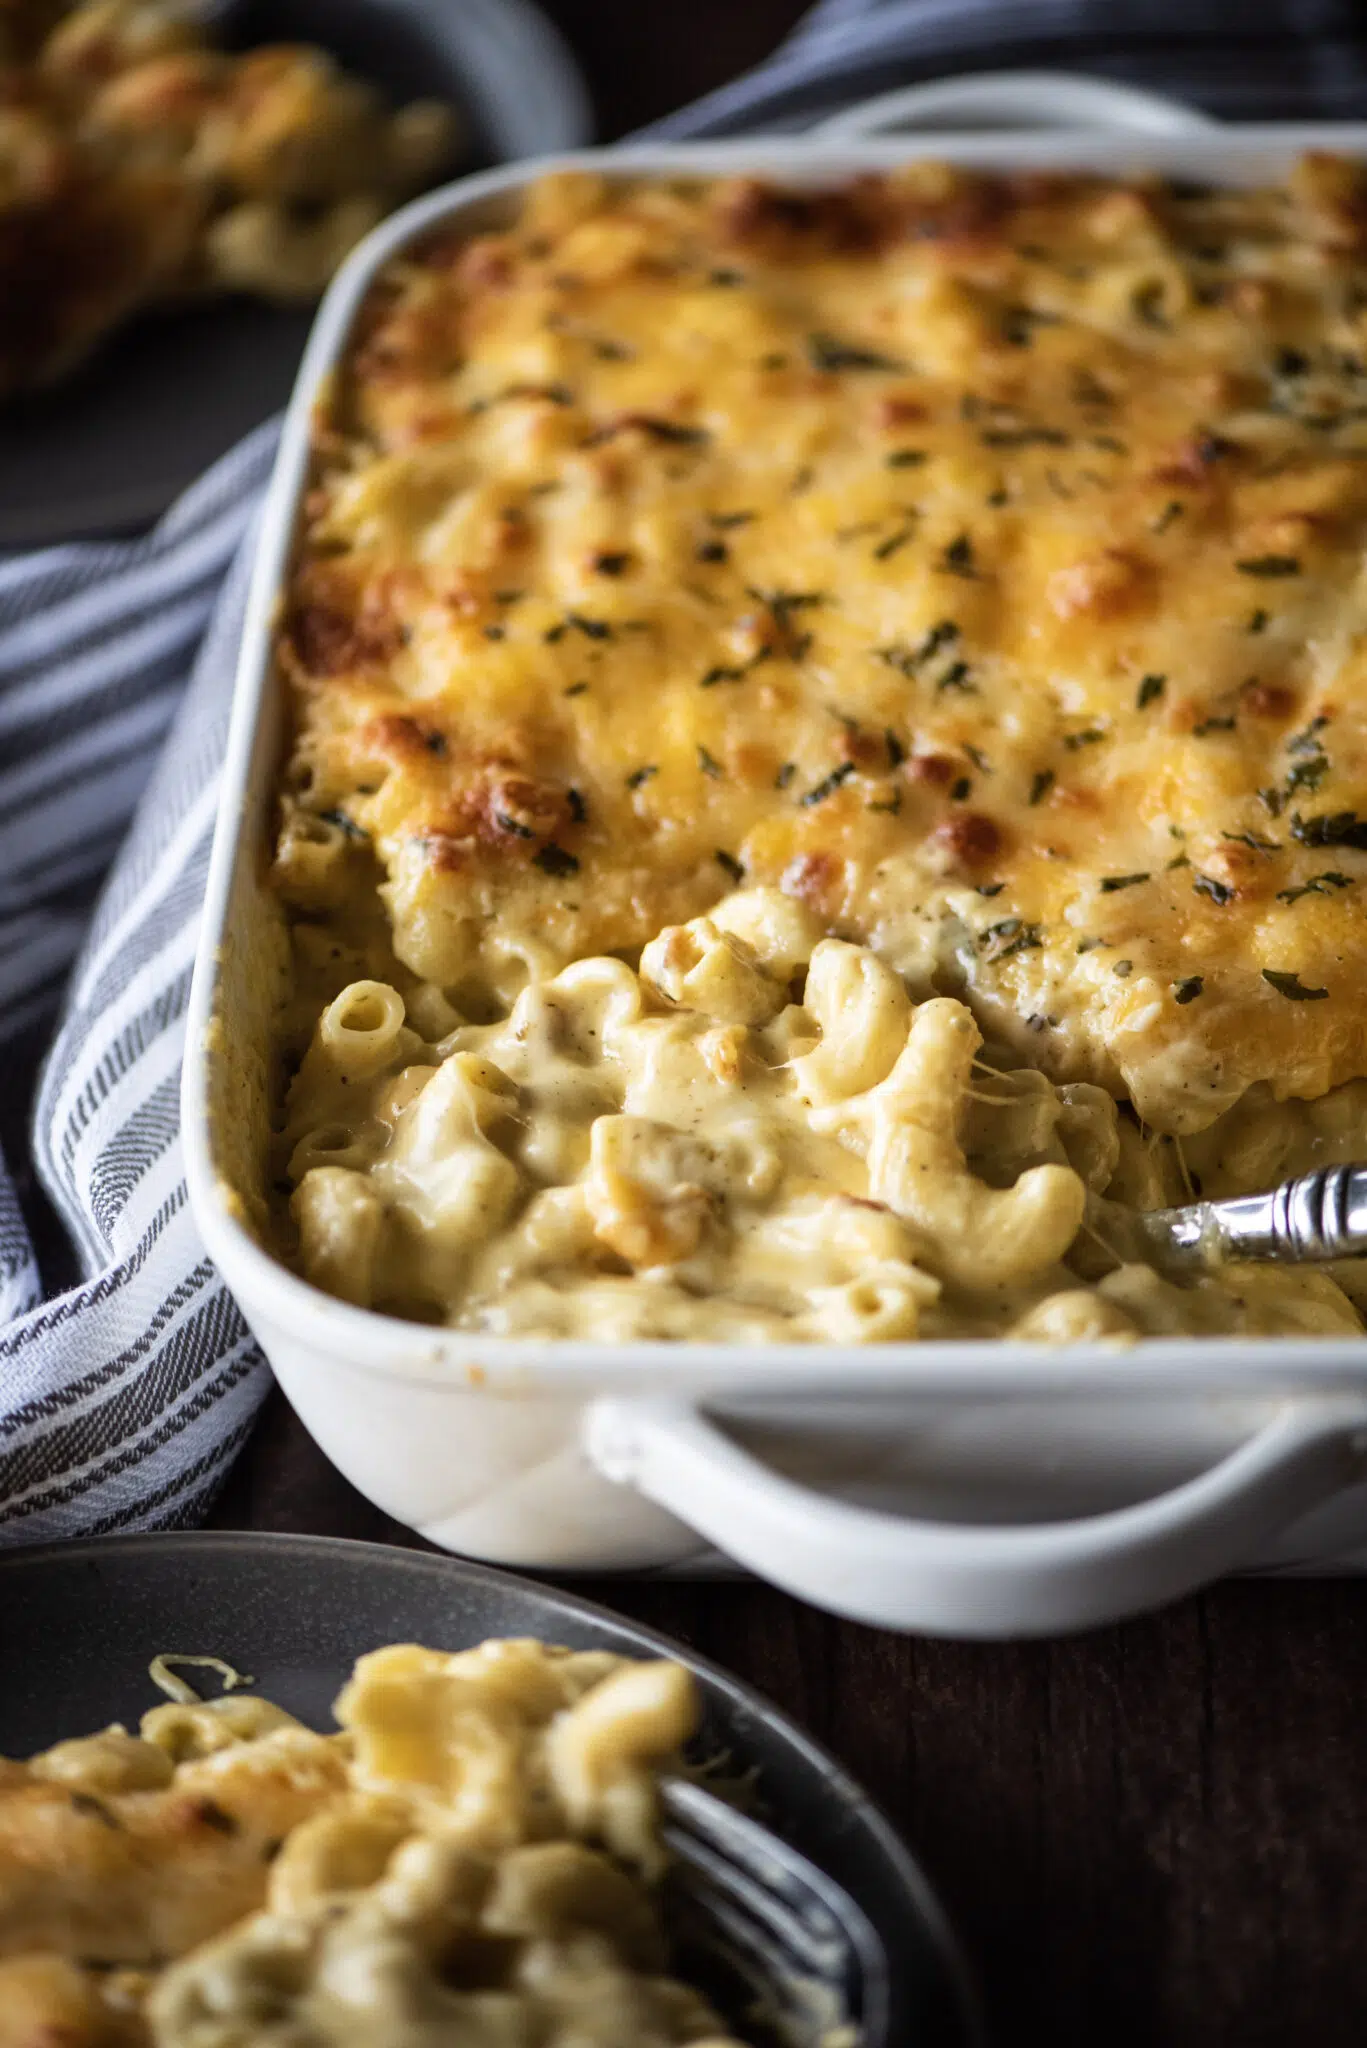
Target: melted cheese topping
{"type": "Point", "coordinates": [976, 559]}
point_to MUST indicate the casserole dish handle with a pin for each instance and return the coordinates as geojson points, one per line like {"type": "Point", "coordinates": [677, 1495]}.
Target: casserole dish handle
{"type": "Point", "coordinates": [1014, 100]}
{"type": "Point", "coordinates": [958, 1579]}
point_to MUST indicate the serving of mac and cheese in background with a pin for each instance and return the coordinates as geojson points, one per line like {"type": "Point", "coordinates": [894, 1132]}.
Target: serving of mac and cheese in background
{"type": "Point", "coordinates": [828, 745]}
{"type": "Point", "coordinates": [474, 1856]}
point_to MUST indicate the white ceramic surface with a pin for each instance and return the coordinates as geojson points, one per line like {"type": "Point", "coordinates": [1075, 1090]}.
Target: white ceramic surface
{"type": "Point", "coordinates": [970, 1489]}
{"type": "Point", "coordinates": [1015, 101]}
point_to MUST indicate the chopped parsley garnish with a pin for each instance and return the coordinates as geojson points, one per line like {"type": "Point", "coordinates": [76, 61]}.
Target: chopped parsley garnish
{"type": "Point", "coordinates": [958, 557]}
{"type": "Point", "coordinates": [1330, 828]}
{"type": "Point", "coordinates": [709, 764]}
{"type": "Point", "coordinates": [721, 674]}
{"type": "Point", "coordinates": [344, 824]}
{"type": "Point", "coordinates": [1041, 785]}
{"type": "Point", "coordinates": [828, 785]}
{"type": "Point", "coordinates": [730, 863]}
{"type": "Point", "coordinates": [725, 521]}
{"type": "Point", "coordinates": [579, 810]}
{"type": "Point", "coordinates": [960, 789]}
{"type": "Point", "coordinates": [1150, 689]}
{"type": "Point", "coordinates": [641, 775]}
{"type": "Point", "coordinates": [785, 775]}
{"type": "Point", "coordinates": [576, 690]}
{"type": "Point", "coordinates": [1256, 621]}
{"type": "Point", "coordinates": [906, 458]}
{"type": "Point", "coordinates": [712, 551]}
{"type": "Point", "coordinates": [1318, 885]}
{"type": "Point", "coordinates": [978, 758]}
{"type": "Point", "coordinates": [1188, 988]}
{"type": "Point", "coordinates": [1251, 839]}
{"type": "Point", "coordinates": [889, 547]}
{"type": "Point", "coordinates": [1269, 566]}
{"type": "Point", "coordinates": [1207, 885]}
{"type": "Point", "coordinates": [1209, 725]}
{"type": "Point", "coordinates": [553, 860]}
{"type": "Point", "coordinates": [1172, 510]}
{"type": "Point", "coordinates": [828, 352]}
{"type": "Point", "coordinates": [1111, 883]}
{"type": "Point", "coordinates": [897, 753]}
{"type": "Point", "coordinates": [989, 888]}
{"type": "Point", "coordinates": [1011, 936]}
{"type": "Point", "coordinates": [1087, 738]}
{"type": "Point", "coordinates": [955, 677]}
{"type": "Point", "coordinates": [1024, 437]}
{"type": "Point", "coordinates": [592, 629]}
{"type": "Point", "coordinates": [506, 823]}
{"type": "Point", "coordinates": [1292, 987]}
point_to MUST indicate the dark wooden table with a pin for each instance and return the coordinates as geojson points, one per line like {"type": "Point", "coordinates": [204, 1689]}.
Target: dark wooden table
{"type": "Point", "coordinates": [1151, 1834]}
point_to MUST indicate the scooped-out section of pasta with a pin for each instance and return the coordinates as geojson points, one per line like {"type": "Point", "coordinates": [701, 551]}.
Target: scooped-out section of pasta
{"type": "Point", "coordinates": [474, 1857]}
{"type": "Point", "coordinates": [753, 1134]}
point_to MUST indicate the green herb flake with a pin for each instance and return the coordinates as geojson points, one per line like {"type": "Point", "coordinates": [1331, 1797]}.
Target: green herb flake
{"type": "Point", "coordinates": [1111, 883]}
{"type": "Point", "coordinates": [1210, 725]}
{"type": "Point", "coordinates": [886, 549]}
{"type": "Point", "coordinates": [1330, 828]}
{"type": "Point", "coordinates": [828, 352]}
{"type": "Point", "coordinates": [1040, 786]}
{"type": "Point", "coordinates": [726, 521]}
{"type": "Point", "coordinates": [989, 888]}
{"type": "Point", "coordinates": [728, 861]}
{"type": "Point", "coordinates": [960, 789]}
{"type": "Point", "coordinates": [827, 786]}
{"type": "Point", "coordinates": [957, 559]}
{"type": "Point", "coordinates": [1252, 841]}
{"type": "Point", "coordinates": [1318, 885]}
{"type": "Point", "coordinates": [344, 824]}
{"type": "Point", "coordinates": [1269, 566]}
{"type": "Point", "coordinates": [506, 823]}
{"type": "Point", "coordinates": [1292, 987]}
{"type": "Point", "coordinates": [553, 860]}
{"type": "Point", "coordinates": [579, 810]}
{"type": "Point", "coordinates": [721, 674]}
{"type": "Point", "coordinates": [1090, 737]}
{"type": "Point", "coordinates": [785, 775]}
{"type": "Point", "coordinates": [1172, 510]}
{"type": "Point", "coordinates": [1207, 885]}
{"type": "Point", "coordinates": [897, 753]}
{"type": "Point", "coordinates": [639, 776]}
{"type": "Point", "coordinates": [1257, 621]}
{"type": "Point", "coordinates": [1188, 988]}
{"type": "Point", "coordinates": [955, 677]}
{"type": "Point", "coordinates": [575, 690]}
{"type": "Point", "coordinates": [1151, 689]}
{"type": "Point", "coordinates": [906, 458]}
{"type": "Point", "coordinates": [709, 764]}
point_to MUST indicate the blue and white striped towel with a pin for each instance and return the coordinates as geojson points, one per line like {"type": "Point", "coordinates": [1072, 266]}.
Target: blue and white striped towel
{"type": "Point", "coordinates": [124, 1398]}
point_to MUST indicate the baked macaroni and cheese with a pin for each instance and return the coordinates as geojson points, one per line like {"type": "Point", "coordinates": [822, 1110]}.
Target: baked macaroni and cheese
{"type": "Point", "coordinates": [473, 1858]}
{"type": "Point", "coordinates": [829, 743]}
{"type": "Point", "coordinates": [140, 164]}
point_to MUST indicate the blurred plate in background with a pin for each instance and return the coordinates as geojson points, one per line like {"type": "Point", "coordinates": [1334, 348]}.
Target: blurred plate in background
{"type": "Point", "coordinates": [109, 449]}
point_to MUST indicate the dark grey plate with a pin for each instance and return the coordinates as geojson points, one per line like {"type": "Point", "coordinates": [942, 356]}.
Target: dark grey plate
{"type": "Point", "coordinates": [80, 1622]}
{"type": "Point", "coordinates": [110, 449]}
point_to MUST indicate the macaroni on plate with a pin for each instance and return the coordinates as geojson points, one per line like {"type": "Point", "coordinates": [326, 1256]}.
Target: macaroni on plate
{"type": "Point", "coordinates": [829, 744]}
{"type": "Point", "coordinates": [473, 1857]}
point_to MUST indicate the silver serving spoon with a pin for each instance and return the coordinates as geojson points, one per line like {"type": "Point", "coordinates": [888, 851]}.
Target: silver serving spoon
{"type": "Point", "coordinates": [1319, 1216]}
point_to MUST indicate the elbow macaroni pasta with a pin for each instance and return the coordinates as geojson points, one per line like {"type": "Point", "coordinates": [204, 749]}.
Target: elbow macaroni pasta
{"type": "Point", "coordinates": [474, 1857]}
{"type": "Point", "coordinates": [758, 1136]}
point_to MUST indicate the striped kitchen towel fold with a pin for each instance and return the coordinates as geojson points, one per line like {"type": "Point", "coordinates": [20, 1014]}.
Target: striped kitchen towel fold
{"type": "Point", "coordinates": [124, 1398]}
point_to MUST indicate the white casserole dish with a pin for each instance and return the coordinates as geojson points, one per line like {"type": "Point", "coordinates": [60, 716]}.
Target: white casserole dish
{"type": "Point", "coordinates": [972, 1488]}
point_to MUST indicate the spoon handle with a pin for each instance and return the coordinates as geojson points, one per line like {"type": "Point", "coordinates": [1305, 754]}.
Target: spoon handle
{"type": "Point", "coordinates": [1322, 1215]}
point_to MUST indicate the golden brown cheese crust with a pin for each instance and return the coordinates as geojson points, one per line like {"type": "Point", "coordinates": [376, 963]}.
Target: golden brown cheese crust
{"type": "Point", "coordinates": [977, 558]}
